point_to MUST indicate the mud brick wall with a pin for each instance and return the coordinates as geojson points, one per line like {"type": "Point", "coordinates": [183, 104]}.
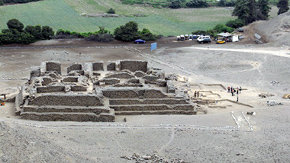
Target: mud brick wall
{"type": "Point", "coordinates": [50, 89]}
{"type": "Point", "coordinates": [53, 66]}
{"type": "Point", "coordinates": [115, 93]}
{"type": "Point", "coordinates": [120, 75]}
{"type": "Point", "coordinates": [78, 88]}
{"type": "Point", "coordinates": [67, 100]}
{"type": "Point", "coordinates": [111, 66]}
{"type": "Point", "coordinates": [98, 66]}
{"type": "Point", "coordinates": [35, 73]}
{"type": "Point", "coordinates": [147, 101]}
{"type": "Point", "coordinates": [74, 67]}
{"type": "Point", "coordinates": [110, 81]}
{"type": "Point", "coordinates": [134, 66]}
{"type": "Point", "coordinates": [46, 81]}
{"type": "Point", "coordinates": [154, 94]}
{"type": "Point", "coordinates": [68, 109]}
{"type": "Point", "coordinates": [134, 93]}
{"type": "Point", "coordinates": [70, 79]}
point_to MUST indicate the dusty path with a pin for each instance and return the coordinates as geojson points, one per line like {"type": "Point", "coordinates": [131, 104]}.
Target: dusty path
{"type": "Point", "coordinates": [278, 52]}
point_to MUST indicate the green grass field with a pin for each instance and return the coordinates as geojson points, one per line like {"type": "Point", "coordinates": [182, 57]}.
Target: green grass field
{"type": "Point", "coordinates": [66, 14]}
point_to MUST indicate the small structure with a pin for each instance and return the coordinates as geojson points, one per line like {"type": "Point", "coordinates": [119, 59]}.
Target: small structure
{"type": "Point", "coordinates": [228, 37]}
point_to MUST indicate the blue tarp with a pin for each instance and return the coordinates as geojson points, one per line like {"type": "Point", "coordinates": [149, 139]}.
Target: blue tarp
{"type": "Point", "coordinates": [153, 46]}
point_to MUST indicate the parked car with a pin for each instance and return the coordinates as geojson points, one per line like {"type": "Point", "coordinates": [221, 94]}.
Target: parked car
{"type": "Point", "coordinates": [182, 37]}
{"type": "Point", "coordinates": [190, 37]}
{"type": "Point", "coordinates": [203, 39]}
{"type": "Point", "coordinates": [140, 41]}
{"type": "Point", "coordinates": [195, 36]}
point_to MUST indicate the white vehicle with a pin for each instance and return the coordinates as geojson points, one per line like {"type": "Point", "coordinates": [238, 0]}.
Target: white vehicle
{"type": "Point", "coordinates": [203, 39]}
{"type": "Point", "coordinates": [178, 38]}
{"type": "Point", "coordinates": [186, 37]}
{"type": "Point", "coordinates": [182, 38]}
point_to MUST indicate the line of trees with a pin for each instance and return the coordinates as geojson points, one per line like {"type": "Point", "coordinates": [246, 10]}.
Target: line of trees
{"type": "Point", "coordinates": [17, 33]}
{"type": "Point", "coordinates": [2, 2]}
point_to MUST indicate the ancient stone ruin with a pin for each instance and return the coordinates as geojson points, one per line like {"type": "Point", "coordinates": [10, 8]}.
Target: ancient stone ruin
{"type": "Point", "coordinates": [98, 92]}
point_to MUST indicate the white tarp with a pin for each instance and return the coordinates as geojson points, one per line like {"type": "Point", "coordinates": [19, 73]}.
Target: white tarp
{"type": "Point", "coordinates": [235, 38]}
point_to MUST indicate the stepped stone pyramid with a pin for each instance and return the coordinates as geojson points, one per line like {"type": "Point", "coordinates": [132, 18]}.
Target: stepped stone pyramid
{"type": "Point", "coordinates": [99, 92]}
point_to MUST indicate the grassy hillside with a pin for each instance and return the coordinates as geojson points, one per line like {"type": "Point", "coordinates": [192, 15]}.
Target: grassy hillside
{"type": "Point", "coordinates": [65, 14]}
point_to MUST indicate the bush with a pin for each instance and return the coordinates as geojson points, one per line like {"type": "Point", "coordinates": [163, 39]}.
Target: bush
{"type": "Point", "coordinates": [235, 23]}
{"type": "Point", "coordinates": [197, 4]}
{"type": "Point", "coordinates": [1, 2]}
{"type": "Point", "coordinates": [200, 32]}
{"type": "Point", "coordinates": [101, 37]}
{"type": "Point", "coordinates": [225, 3]}
{"type": "Point", "coordinates": [111, 11]}
{"type": "Point", "coordinates": [223, 28]}
{"type": "Point", "coordinates": [175, 4]}
{"type": "Point", "coordinates": [146, 35]}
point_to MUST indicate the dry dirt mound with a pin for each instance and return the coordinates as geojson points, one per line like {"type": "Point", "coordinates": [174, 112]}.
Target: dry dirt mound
{"type": "Point", "coordinates": [276, 30]}
{"type": "Point", "coordinates": [286, 96]}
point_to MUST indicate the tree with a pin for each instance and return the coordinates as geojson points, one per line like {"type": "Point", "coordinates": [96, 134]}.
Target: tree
{"type": "Point", "coordinates": [15, 24]}
{"type": "Point", "coordinates": [35, 31]}
{"type": "Point", "coordinates": [246, 10]}
{"type": "Point", "coordinates": [283, 6]}
{"type": "Point", "coordinates": [127, 32]}
{"type": "Point", "coordinates": [47, 32]}
{"type": "Point", "coordinates": [111, 11]}
{"type": "Point", "coordinates": [264, 8]}
{"type": "Point", "coordinates": [1, 2]}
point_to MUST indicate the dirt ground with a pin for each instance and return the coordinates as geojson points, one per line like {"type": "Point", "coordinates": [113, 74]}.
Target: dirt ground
{"type": "Point", "coordinates": [222, 135]}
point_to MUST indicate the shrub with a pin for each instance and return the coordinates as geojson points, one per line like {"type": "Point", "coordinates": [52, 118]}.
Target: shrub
{"type": "Point", "coordinates": [200, 32]}
{"type": "Point", "coordinates": [111, 11]}
{"type": "Point", "coordinates": [101, 37]}
{"type": "Point", "coordinates": [235, 23]}
{"type": "Point", "coordinates": [175, 4]}
{"type": "Point", "coordinates": [145, 34]}
{"type": "Point", "coordinates": [225, 3]}
{"type": "Point", "coordinates": [223, 28]}
{"type": "Point", "coordinates": [197, 4]}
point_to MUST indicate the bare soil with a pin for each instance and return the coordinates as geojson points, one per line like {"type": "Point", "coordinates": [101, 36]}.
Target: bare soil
{"type": "Point", "coordinates": [223, 135]}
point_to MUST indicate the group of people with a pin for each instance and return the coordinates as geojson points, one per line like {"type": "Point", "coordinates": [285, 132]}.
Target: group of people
{"type": "Point", "coordinates": [234, 91]}
{"type": "Point", "coordinates": [196, 94]}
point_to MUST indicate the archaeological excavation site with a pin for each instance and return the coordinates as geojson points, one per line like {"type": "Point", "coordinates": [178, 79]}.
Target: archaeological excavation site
{"type": "Point", "coordinates": [98, 92]}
